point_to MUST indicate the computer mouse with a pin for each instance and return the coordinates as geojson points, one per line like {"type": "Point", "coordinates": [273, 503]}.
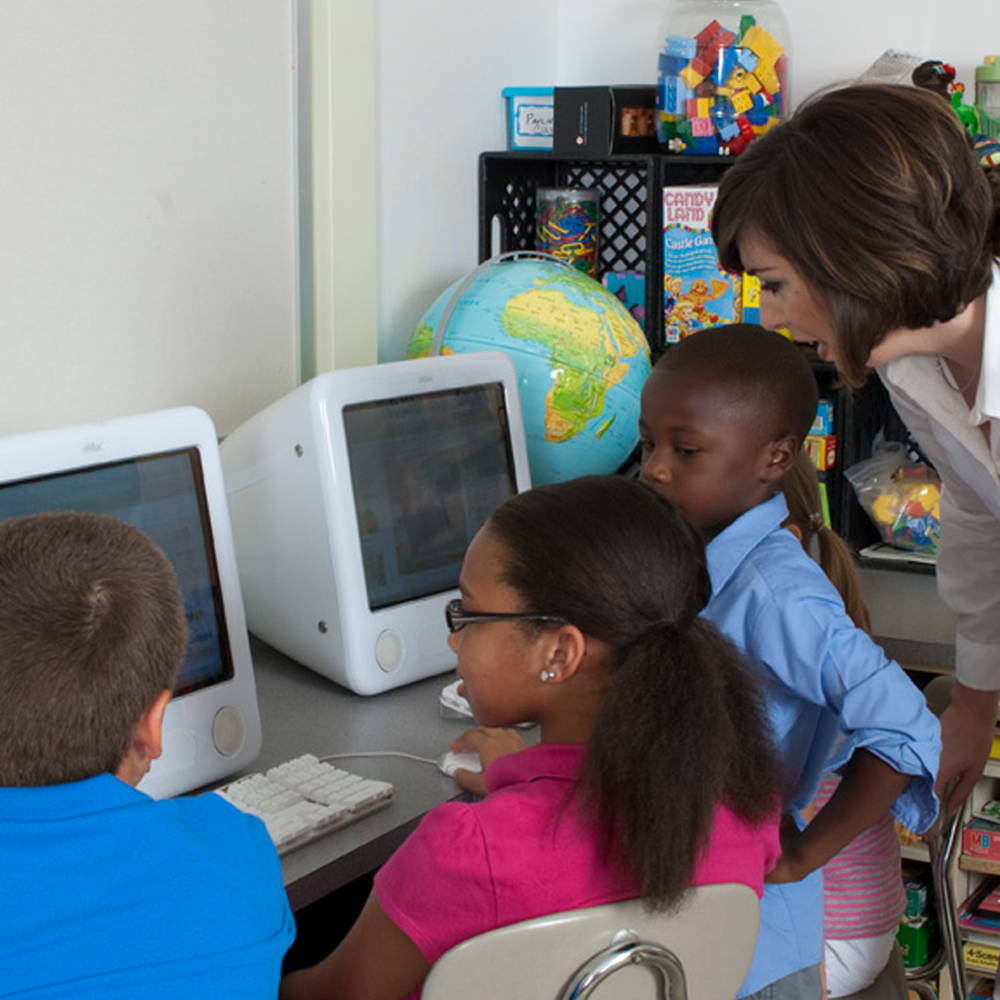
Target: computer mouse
{"type": "Point", "coordinates": [450, 762]}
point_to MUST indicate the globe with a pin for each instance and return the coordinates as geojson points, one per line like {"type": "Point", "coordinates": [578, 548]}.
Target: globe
{"type": "Point", "coordinates": [580, 357]}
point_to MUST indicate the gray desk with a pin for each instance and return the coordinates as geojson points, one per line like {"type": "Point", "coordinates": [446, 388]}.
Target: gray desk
{"type": "Point", "coordinates": [302, 712]}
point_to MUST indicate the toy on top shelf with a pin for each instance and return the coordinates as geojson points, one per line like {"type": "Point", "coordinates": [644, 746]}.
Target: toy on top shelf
{"type": "Point", "coordinates": [722, 75]}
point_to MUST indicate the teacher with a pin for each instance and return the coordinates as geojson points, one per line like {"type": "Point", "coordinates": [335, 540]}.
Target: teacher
{"type": "Point", "coordinates": [875, 235]}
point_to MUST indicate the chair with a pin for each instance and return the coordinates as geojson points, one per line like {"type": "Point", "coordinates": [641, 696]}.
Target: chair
{"type": "Point", "coordinates": [701, 951]}
{"type": "Point", "coordinates": [943, 843]}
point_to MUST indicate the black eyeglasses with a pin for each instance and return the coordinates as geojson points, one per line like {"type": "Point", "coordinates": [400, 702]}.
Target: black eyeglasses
{"type": "Point", "coordinates": [458, 619]}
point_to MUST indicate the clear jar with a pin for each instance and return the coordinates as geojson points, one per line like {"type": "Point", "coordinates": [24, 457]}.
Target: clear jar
{"type": "Point", "coordinates": [988, 96]}
{"type": "Point", "coordinates": [567, 222]}
{"type": "Point", "coordinates": [722, 74]}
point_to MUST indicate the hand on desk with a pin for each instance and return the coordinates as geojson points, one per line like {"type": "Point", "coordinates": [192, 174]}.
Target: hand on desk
{"type": "Point", "coordinates": [489, 742]}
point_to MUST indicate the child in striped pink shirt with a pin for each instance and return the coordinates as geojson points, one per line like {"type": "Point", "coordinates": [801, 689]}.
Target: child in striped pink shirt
{"type": "Point", "coordinates": [863, 895]}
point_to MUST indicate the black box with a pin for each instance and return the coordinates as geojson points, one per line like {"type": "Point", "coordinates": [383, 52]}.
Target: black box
{"type": "Point", "coordinates": [599, 121]}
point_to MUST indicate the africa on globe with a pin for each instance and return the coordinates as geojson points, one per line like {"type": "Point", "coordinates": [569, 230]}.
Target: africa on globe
{"type": "Point", "coordinates": [581, 359]}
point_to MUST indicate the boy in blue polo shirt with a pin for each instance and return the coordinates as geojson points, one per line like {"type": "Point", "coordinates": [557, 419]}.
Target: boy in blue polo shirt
{"type": "Point", "coordinates": [105, 892]}
{"type": "Point", "coordinates": [724, 413]}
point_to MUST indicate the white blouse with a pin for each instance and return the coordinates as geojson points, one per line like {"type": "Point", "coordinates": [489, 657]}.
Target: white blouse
{"type": "Point", "coordinates": [950, 434]}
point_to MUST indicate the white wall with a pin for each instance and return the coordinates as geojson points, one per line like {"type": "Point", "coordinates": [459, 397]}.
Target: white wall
{"type": "Point", "coordinates": [147, 208]}
{"type": "Point", "coordinates": [441, 67]}
{"type": "Point", "coordinates": [829, 42]}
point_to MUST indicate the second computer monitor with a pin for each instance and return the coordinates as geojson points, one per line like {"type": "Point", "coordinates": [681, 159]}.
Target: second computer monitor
{"type": "Point", "coordinates": [353, 500]}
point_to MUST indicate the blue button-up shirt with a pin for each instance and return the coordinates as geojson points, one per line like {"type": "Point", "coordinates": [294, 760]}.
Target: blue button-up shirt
{"type": "Point", "coordinates": [823, 677]}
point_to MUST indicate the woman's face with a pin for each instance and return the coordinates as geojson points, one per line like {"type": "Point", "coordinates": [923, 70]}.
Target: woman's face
{"type": "Point", "coordinates": [787, 300]}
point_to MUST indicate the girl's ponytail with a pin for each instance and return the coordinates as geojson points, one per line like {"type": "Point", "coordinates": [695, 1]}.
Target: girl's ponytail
{"type": "Point", "coordinates": [684, 705]}
{"type": "Point", "coordinates": [681, 729]}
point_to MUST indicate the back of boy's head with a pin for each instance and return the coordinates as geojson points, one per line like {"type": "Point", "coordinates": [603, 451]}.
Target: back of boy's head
{"type": "Point", "coordinates": [92, 630]}
{"type": "Point", "coordinates": [765, 373]}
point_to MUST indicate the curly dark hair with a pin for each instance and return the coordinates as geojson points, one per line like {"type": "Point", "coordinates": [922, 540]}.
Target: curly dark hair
{"type": "Point", "coordinates": [683, 727]}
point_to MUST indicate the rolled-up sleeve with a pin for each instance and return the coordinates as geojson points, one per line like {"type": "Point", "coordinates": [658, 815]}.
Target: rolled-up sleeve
{"type": "Point", "coordinates": [826, 659]}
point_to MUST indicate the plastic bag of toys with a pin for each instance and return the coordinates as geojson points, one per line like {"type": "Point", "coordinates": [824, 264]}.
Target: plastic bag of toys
{"type": "Point", "coordinates": [902, 498]}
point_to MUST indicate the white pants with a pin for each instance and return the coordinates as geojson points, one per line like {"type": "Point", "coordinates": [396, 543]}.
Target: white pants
{"type": "Point", "coordinates": [852, 965]}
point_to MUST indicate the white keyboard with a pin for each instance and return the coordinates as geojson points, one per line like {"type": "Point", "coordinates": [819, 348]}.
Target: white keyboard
{"type": "Point", "coordinates": [305, 798]}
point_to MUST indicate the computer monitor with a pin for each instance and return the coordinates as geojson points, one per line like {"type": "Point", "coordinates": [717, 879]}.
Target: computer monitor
{"type": "Point", "coordinates": [353, 499]}
{"type": "Point", "coordinates": [160, 471]}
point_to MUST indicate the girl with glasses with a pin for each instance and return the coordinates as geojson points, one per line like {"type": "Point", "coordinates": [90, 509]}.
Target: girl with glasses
{"type": "Point", "coordinates": [654, 772]}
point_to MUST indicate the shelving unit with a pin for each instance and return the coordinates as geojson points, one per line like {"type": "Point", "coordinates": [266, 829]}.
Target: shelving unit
{"type": "Point", "coordinates": [631, 238]}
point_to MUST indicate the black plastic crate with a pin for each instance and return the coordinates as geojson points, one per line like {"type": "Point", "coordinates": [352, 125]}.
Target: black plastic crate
{"type": "Point", "coordinates": [631, 220]}
{"type": "Point", "coordinates": [860, 417]}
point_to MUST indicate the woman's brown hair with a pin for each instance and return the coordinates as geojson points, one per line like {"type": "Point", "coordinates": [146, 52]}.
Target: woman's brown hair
{"type": "Point", "coordinates": [874, 196]}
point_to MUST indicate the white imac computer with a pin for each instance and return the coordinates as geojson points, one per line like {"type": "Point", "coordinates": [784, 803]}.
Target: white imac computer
{"type": "Point", "coordinates": [353, 499]}
{"type": "Point", "coordinates": [160, 472]}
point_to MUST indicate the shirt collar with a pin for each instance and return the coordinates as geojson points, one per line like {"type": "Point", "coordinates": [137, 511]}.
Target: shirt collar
{"type": "Point", "coordinates": [987, 402]}
{"type": "Point", "coordinates": [920, 375]}
{"type": "Point", "coordinates": [77, 798]}
{"type": "Point", "coordinates": [731, 546]}
{"type": "Point", "coordinates": [547, 760]}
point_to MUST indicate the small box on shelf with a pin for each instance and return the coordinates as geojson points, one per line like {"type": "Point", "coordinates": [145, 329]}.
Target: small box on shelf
{"type": "Point", "coordinates": [981, 839]}
{"type": "Point", "coordinates": [601, 121]}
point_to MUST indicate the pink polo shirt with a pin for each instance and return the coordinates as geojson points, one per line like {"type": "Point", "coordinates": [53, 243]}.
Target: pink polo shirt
{"type": "Point", "coordinates": [521, 853]}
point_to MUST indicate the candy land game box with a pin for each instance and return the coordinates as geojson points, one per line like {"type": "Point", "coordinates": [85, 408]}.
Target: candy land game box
{"type": "Point", "coordinates": [697, 292]}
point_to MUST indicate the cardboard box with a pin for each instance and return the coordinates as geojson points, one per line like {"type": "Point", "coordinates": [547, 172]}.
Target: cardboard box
{"type": "Point", "coordinates": [697, 292]}
{"type": "Point", "coordinates": [822, 449]}
{"type": "Point", "coordinates": [823, 424]}
{"type": "Point", "coordinates": [981, 839]}
{"type": "Point", "coordinates": [599, 121]}
{"type": "Point", "coordinates": [918, 940]}
{"type": "Point", "coordinates": [980, 956]}
{"type": "Point", "coordinates": [529, 117]}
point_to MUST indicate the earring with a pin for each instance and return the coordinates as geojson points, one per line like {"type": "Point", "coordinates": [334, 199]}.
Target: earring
{"type": "Point", "coordinates": [546, 675]}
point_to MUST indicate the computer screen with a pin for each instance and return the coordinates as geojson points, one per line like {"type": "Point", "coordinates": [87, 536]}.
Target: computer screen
{"type": "Point", "coordinates": [353, 500]}
{"type": "Point", "coordinates": [426, 472]}
{"type": "Point", "coordinates": [159, 472]}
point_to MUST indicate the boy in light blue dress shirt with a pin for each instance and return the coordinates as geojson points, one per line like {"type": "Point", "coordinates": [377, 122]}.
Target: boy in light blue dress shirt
{"type": "Point", "coordinates": [723, 415]}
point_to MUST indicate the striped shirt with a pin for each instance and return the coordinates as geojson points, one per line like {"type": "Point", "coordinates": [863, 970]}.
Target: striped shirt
{"type": "Point", "coordinates": [862, 885]}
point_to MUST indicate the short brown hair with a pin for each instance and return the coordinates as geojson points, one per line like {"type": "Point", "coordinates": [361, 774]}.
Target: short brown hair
{"type": "Point", "coordinates": [873, 194]}
{"type": "Point", "coordinates": [92, 629]}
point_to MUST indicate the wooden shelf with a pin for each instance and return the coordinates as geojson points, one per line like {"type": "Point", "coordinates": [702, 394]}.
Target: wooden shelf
{"type": "Point", "coordinates": [915, 852]}
{"type": "Point", "coordinates": [970, 863]}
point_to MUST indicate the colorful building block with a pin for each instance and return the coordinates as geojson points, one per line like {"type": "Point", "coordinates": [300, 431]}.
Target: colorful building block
{"type": "Point", "coordinates": [705, 145]}
{"type": "Point", "coordinates": [747, 58]}
{"type": "Point", "coordinates": [701, 127]}
{"type": "Point", "coordinates": [677, 45]}
{"type": "Point", "coordinates": [673, 95]}
{"type": "Point", "coordinates": [708, 34]}
{"type": "Point", "coordinates": [691, 76]}
{"type": "Point", "coordinates": [668, 65]}
{"type": "Point", "coordinates": [768, 78]}
{"type": "Point", "coordinates": [742, 101]}
{"type": "Point", "coordinates": [728, 130]}
{"type": "Point", "coordinates": [763, 43]}
{"type": "Point", "coordinates": [724, 64]}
